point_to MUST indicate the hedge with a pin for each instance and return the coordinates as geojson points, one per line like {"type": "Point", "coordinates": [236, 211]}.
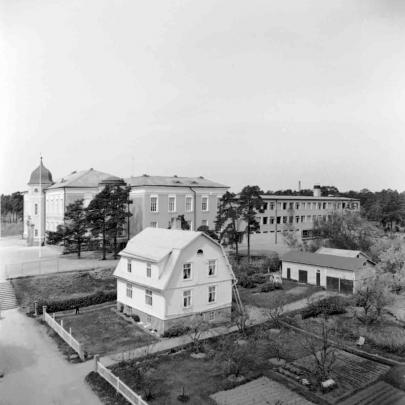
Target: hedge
{"type": "Point", "coordinates": [95, 298]}
{"type": "Point", "coordinates": [327, 306]}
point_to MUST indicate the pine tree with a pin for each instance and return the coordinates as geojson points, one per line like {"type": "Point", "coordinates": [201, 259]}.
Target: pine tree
{"type": "Point", "coordinates": [76, 227]}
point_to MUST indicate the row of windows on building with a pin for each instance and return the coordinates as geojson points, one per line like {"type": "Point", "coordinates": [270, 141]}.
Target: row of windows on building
{"type": "Point", "coordinates": [187, 269]}
{"type": "Point", "coordinates": [204, 222]}
{"type": "Point", "coordinates": [172, 202]}
{"type": "Point", "coordinates": [187, 295]}
{"type": "Point", "coordinates": [308, 205]}
{"type": "Point", "coordinates": [294, 219]}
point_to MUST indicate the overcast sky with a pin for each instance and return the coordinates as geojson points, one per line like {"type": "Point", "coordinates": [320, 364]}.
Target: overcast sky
{"type": "Point", "coordinates": [239, 91]}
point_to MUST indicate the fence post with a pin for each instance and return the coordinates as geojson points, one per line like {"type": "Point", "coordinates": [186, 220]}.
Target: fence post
{"type": "Point", "coordinates": [44, 312]}
{"type": "Point", "coordinates": [61, 323]}
{"type": "Point", "coordinates": [35, 308]}
{"type": "Point", "coordinates": [96, 357]}
{"type": "Point", "coordinates": [118, 384]}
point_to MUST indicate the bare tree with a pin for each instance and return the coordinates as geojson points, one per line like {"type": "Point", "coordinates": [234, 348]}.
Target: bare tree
{"type": "Point", "coordinates": [276, 309]}
{"type": "Point", "coordinates": [241, 318]}
{"type": "Point", "coordinates": [197, 326]}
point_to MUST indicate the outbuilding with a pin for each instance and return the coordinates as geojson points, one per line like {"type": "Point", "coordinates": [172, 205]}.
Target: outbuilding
{"type": "Point", "coordinates": [167, 276]}
{"type": "Point", "coordinates": [339, 273]}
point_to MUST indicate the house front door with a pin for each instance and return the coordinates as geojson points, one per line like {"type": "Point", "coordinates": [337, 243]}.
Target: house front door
{"type": "Point", "coordinates": [318, 278]}
{"type": "Point", "coordinates": [303, 276]}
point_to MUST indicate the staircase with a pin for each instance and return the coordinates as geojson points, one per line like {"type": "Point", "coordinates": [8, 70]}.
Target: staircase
{"type": "Point", "coordinates": [7, 296]}
{"type": "Point", "coordinates": [379, 393]}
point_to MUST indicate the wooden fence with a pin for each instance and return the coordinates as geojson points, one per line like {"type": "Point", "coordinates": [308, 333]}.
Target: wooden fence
{"type": "Point", "coordinates": [121, 387]}
{"type": "Point", "coordinates": [63, 333]}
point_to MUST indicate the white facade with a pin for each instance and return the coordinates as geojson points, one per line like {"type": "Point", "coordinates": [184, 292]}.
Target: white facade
{"type": "Point", "coordinates": [183, 278]}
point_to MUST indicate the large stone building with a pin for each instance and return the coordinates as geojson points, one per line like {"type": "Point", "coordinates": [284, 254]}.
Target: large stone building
{"type": "Point", "coordinates": [158, 201]}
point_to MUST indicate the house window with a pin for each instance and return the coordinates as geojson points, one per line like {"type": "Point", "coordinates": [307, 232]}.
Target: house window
{"type": "Point", "coordinates": [148, 270]}
{"type": "Point", "coordinates": [303, 205]}
{"type": "Point", "coordinates": [154, 224]}
{"type": "Point", "coordinates": [265, 206]}
{"type": "Point", "coordinates": [308, 218]}
{"type": "Point", "coordinates": [302, 218]}
{"type": "Point", "coordinates": [204, 222]}
{"type": "Point", "coordinates": [319, 205]}
{"type": "Point", "coordinates": [324, 205]}
{"type": "Point", "coordinates": [148, 297]}
{"type": "Point", "coordinates": [189, 204]}
{"type": "Point", "coordinates": [264, 220]}
{"type": "Point", "coordinates": [36, 232]}
{"type": "Point", "coordinates": [211, 316]}
{"type": "Point", "coordinates": [187, 299]}
{"type": "Point", "coordinates": [291, 219]}
{"type": "Point", "coordinates": [187, 271]}
{"type": "Point", "coordinates": [284, 220]}
{"type": "Point", "coordinates": [297, 206]}
{"type": "Point", "coordinates": [288, 273]}
{"type": "Point", "coordinates": [272, 206]}
{"type": "Point", "coordinates": [291, 206]}
{"type": "Point", "coordinates": [211, 293]}
{"type": "Point", "coordinates": [129, 266]}
{"type": "Point", "coordinates": [154, 203]}
{"type": "Point", "coordinates": [284, 205]}
{"type": "Point", "coordinates": [297, 219]}
{"type": "Point", "coordinates": [172, 204]}
{"type": "Point", "coordinates": [36, 209]}
{"type": "Point", "coordinates": [129, 290]}
{"type": "Point", "coordinates": [212, 264]}
{"type": "Point", "coordinates": [279, 220]}
{"type": "Point", "coordinates": [200, 252]}
{"type": "Point", "coordinates": [35, 190]}
{"type": "Point", "coordinates": [204, 203]}
{"type": "Point", "coordinates": [271, 220]}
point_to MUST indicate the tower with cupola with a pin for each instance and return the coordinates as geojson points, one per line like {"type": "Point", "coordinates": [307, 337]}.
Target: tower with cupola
{"type": "Point", "coordinates": [34, 204]}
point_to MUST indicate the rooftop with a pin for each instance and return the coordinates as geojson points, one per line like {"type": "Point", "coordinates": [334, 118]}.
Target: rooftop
{"type": "Point", "coordinates": [305, 198]}
{"type": "Point", "coordinates": [172, 181]}
{"type": "Point", "coordinates": [340, 252]}
{"type": "Point", "coordinates": [325, 260]}
{"type": "Point", "coordinates": [81, 179]}
{"type": "Point", "coordinates": [46, 175]}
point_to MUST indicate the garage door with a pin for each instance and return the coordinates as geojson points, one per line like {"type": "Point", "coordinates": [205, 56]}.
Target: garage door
{"type": "Point", "coordinates": [302, 276]}
{"type": "Point", "coordinates": [346, 286]}
{"type": "Point", "coordinates": [332, 283]}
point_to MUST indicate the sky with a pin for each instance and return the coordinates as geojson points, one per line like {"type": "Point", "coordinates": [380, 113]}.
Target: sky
{"type": "Point", "coordinates": [259, 92]}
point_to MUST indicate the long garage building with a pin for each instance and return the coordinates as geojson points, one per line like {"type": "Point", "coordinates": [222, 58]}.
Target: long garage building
{"type": "Point", "coordinates": [339, 271]}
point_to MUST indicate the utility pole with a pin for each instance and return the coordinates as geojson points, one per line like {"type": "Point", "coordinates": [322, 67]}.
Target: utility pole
{"type": "Point", "coordinates": [40, 209]}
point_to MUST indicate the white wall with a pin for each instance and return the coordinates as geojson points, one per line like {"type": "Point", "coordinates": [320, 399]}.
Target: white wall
{"type": "Point", "coordinates": [200, 280]}
{"type": "Point", "coordinates": [311, 270]}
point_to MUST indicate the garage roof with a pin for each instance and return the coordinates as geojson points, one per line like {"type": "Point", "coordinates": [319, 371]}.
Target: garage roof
{"type": "Point", "coordinates": [322, 260]}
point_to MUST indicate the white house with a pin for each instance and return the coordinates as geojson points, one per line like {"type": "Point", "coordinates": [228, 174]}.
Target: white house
{"type": "Point", "coordinates": [340, 273]}
{"type": "Point", "coordinates": [166, 276]}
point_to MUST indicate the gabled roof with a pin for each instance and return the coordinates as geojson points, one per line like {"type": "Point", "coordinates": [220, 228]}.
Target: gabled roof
{"type": "Point", "coordinates": [155, 244]}
{"type": "Point", "coordinates": [163, 246]}
{"type": "Point", "coordinates": [172, 181]}
{"type": "Point", "coordinates": [81, 179]}
{"type": "Point", "coordinates": [341, 252]}
{"type": "Point", "coordinates": [322, 260]}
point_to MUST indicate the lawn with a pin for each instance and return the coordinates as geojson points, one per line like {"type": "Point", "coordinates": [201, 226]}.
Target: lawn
{"type": "Point", "coordinates": [199, 377]}
{"type": "Point", "coordinates": [386, 337]}
{"type": "Point", "coordinates": [102, 330]}
{"type": "Point", "coordinates": [63, 286]}
{"type": "Point", "coordinates": [291, 292]}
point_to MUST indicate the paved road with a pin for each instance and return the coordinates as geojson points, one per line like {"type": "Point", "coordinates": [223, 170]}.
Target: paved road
{"type": "Point", "coordinates": [35, 372]}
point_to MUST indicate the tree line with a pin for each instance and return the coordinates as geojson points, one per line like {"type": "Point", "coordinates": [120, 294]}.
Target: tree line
{"type": "Point", "coordinates": [12, 207]}
{"type": "Point", "coordinates": [102, 221]}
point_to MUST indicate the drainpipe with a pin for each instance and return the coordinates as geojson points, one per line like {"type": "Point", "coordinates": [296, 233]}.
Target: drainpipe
{"type": "Point", "coordinates": [194, 208]}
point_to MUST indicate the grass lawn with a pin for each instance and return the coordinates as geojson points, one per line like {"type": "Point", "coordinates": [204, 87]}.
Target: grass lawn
{"type": "Point", "coordinates": [199, 377]}
{"type": "Point", "coordinates": [62, 286]}
{"type": "Point", "coordinates": [385, 337]}
{"type": "Point", "coordinates": [291, 292]}
{"type": "Point", "coordinates": [102, 330]}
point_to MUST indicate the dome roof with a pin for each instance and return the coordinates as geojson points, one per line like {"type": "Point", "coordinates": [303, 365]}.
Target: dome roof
{"type": "Point", "coordinates": [46, 175]}
{"type": "Point", "coordinates": [113, 180]}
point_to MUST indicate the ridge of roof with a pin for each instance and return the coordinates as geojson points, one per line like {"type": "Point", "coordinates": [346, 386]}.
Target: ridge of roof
{"type": "Point", "coordinates": [172, 181]}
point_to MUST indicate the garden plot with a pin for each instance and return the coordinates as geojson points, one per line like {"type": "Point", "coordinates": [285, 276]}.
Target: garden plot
{"type": "Point", "coordinates": [350, 372]}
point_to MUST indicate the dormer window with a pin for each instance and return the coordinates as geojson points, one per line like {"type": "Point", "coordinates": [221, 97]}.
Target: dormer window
{"type": "Point", "coordinates": [200, 252]}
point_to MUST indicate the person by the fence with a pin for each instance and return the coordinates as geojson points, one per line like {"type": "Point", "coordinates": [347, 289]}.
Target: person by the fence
{"type": "Point", "coordinates": [77, 309]}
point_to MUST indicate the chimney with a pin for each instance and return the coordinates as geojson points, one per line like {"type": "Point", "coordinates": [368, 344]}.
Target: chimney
{"type": "Point", "coordinates": [317, 190]}
{"type": "Point", "coordinates": [299, 185]}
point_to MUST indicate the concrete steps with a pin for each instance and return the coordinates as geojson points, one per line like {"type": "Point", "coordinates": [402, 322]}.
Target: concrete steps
{"type": "Point", "coordinates": [7, 296]}
{"type": "Point", "coordinates": [379, 393]}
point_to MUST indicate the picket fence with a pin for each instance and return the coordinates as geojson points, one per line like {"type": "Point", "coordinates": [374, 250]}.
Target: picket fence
{"type": "Point", "coordinates": [121, 387]}
{"type": "Point", "coordinates": [63, 333]}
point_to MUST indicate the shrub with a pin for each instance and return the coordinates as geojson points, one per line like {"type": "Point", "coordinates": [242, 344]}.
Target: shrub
{"type": "Point", "coordinates": [258, 278]}
{"type": "Point", "coordinates": [176, 330]}
{"type": "Point", "coordinates": [95, 298]}
{"type": "Point", "coordinates": [267, 287]}
{"type": "Point", "coordinates": [390, 339]}
{"type": "Point", "coordinates": [327, 306]}
{"type": "Point", "coordinates": [136, 318]}
{"type": "Point", "coordinates": [246, 282]}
